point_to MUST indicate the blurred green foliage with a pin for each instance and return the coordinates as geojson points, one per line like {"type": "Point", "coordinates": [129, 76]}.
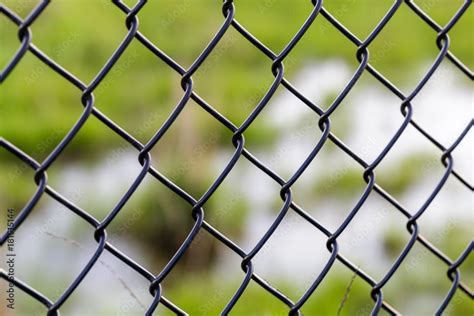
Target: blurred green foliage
{"type": "Point", "coordinates": [38, 107]}
{"type": "Point", "coordinates": [48, 105]}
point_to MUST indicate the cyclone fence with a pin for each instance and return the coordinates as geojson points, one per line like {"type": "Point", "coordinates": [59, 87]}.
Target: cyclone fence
{"type": "Point", "coordinates": [197, 204]}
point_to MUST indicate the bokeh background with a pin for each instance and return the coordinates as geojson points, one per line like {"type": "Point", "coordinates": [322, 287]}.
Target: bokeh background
{"type": "Point", "coordinates": [38, 107]}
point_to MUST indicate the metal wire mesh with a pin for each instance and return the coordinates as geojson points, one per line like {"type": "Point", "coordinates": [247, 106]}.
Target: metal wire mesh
{"type": "Point", "coordinates": [238, 141]}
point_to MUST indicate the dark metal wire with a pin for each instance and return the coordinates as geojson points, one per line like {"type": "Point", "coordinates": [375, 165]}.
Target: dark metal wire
{"type": "Point", "coordinates": [238, 140]}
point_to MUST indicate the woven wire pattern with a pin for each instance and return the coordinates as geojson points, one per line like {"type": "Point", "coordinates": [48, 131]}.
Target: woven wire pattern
{"type": "Point", "coordinates": [197, 205]}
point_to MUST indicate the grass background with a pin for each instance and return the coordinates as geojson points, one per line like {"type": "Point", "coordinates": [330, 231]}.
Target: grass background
{"type": "Point", "coordinates": [38, 107]}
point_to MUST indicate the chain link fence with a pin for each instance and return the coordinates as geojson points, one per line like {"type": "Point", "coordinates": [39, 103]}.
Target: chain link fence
{"type": "Point", "coordinates": [197, 205]}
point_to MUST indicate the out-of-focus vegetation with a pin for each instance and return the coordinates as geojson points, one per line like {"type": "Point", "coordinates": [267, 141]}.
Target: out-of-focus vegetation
{"type": "Point", "coordinates": [38, 107]}
{"type": "Point", "coordinates": [235, 76]}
